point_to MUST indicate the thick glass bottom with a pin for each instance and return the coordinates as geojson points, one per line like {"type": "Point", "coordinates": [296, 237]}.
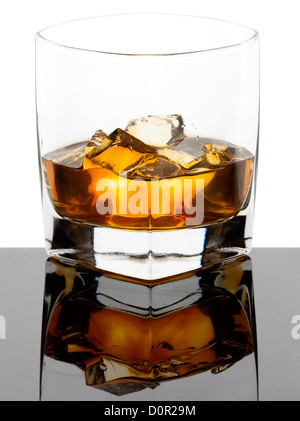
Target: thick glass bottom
{"type": "Point", "coordinates": [148, 255]}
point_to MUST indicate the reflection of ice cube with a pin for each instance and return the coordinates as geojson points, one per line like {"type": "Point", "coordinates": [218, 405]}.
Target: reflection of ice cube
{"type": "Point", "coordinates": [187, 152]}
{"type": "Point", "coordinates": [120, 152]}
{"type": "Point", "coordinates": [157, 130]}
{"type": "Point", "coordinates": [116, 377]}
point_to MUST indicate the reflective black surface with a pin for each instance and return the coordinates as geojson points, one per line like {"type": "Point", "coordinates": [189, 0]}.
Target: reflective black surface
{"type": "Point", "coordinates": [96, 337]}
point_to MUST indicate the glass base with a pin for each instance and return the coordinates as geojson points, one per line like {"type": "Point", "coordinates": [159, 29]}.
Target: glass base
{"type": "Point", "coordinates": [148, 255]}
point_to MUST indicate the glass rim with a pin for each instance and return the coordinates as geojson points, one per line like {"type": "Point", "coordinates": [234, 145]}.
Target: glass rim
{"type": "Point", "coordinates": [253, 35]}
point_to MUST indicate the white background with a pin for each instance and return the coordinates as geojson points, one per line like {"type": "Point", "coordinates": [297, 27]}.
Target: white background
{"type": "Point", "coordinates": [277, 21]}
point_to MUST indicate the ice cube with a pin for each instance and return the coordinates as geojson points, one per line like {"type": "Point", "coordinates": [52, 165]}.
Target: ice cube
{"type": "Point", "coordinates": [74, 157]}
{"type": "Point", "coordinates": [71, 156]}
{"type": "Point", "coordinates": [119, 152]}
{"type": "Point", "coordinates": [157, 130]}
{"type": "Point", "coordinates": [190, 130]}
{"type": "Point", "coordinates": [157, 168]}
{"type": "Point", "coordinates": [98, 136]}
{"type": "Point", "coordinates": [217, 153]}
{"type": "Point", "coordinates": [187, 153]}
{"type": "Point", "coordinates": [97, 144]}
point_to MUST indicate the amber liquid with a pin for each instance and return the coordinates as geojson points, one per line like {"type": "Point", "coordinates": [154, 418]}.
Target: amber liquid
{"type": "Point", "coordinates": [74, 191]}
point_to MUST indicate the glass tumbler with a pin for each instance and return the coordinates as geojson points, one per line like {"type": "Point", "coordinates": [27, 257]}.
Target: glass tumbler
{"type": "Point", "coordinates": [147, 134]}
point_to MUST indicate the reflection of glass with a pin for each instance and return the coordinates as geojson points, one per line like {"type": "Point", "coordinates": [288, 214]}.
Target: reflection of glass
{"type": "Point", "coordinates": [129, 337]}
{"type": "Point", "coordinates": [148, 146]}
